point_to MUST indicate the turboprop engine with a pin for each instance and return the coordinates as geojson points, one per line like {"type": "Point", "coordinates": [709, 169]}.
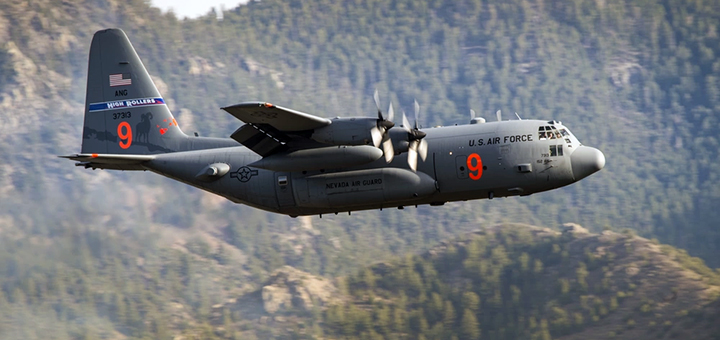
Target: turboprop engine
{"type": "Point", "coordinates": [348, 131]}
{"type": "Point", "coordinates": [360, 131]}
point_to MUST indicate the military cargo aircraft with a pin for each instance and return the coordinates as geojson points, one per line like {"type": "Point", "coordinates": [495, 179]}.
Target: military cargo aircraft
{"type": "Point", "coordinates": [294, 163]}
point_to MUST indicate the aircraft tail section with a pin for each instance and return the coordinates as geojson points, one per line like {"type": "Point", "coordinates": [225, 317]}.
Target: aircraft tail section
{"type": "Point", "coordinates": [124, 111]}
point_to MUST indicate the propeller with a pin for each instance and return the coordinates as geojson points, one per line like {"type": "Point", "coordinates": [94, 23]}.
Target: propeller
{"type": "Point", "coordinates": [387, 144]}
{"type": "Point", "coordinates": [417, 145]}
{"type": "Point", "coordinates": [379, 132]}
{"type": "Point", "coordinates": [499, 115]}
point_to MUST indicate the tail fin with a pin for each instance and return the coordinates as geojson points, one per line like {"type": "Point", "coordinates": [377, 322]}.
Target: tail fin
{"type": "Point", "coordinates": [124, 112]}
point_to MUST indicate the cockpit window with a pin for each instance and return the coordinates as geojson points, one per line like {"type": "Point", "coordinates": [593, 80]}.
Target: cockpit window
{"type": "Point", "coordinates": [556, 133]}
{"type": "Point", "coordinates": [546, 132]}
{"type": "Point", "coordinates": [551, 132]}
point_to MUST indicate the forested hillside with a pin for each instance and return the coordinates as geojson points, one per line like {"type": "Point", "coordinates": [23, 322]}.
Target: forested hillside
{"type": "Point", "coordinates": [520, 282]}
{"type": "Point", "coordinates": [640, 80]}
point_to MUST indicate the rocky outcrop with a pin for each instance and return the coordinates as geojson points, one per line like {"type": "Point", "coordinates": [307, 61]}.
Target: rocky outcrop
{"type": "Point", "coordinates": [292, 289]}
{"type": "Point", "coordinates": [574, 229]}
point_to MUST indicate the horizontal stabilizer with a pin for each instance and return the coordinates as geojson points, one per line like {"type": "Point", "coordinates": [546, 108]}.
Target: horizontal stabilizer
{"type": "Point", "coordinates": [110, 161]}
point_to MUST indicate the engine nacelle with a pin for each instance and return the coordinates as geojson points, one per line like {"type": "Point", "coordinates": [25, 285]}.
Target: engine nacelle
{"type": "Point", "coordinates": [346, 131]}
{"type": "Point", "coordinates": [400, 140]}
{"type": "Point", "coordinates": [330, 157]}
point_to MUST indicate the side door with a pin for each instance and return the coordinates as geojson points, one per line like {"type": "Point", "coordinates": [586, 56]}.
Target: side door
{"type": "Point", "coordinates": [283, 189]}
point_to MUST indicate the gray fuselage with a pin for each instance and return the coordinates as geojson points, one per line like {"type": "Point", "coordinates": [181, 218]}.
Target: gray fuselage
{"type": "Point", "coordinates": [474, 161]}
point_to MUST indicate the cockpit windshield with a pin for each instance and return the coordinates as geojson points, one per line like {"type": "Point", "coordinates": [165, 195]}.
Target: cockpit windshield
{"type": "Point", "coordinates": [551, 132]}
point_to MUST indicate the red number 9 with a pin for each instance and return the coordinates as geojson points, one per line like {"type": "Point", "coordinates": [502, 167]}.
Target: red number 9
{"type": "Point", "coordinates": [125, 133]}
{"type": "Point", "coordinates": [476, 169]}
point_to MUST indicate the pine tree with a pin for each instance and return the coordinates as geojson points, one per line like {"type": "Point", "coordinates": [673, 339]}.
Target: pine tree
{"type": "Point", "coordinates": [449, 315]}
{"type": "Point", "coordinates": [368, 278]}
{"type": "Point", "coordinates": [399, 323]}
{"type": "Point", "coordinates": [469, 328]}
{"type": "Point", "coordinates": [471, 301]}
{"type": "Point", "coordinates": [382, 320]}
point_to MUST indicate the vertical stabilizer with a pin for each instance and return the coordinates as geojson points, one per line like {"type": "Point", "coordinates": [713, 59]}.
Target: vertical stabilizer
{"type": "Point", "coordinates": [124, 112]}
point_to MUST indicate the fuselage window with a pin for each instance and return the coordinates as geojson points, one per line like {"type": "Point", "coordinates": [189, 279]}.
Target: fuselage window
{"type": "Point", "coordinates": [556, 150]}
{"type": "Point", "coordinates": [541, 132]}
{"type": "Point", "coordinates": [564, 132]}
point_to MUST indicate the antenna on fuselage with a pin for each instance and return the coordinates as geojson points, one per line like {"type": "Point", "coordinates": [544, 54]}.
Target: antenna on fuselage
{"type": "Point", "coordinates": [517, 115]}
{"type": "Point", "coordinates": [499, 115]}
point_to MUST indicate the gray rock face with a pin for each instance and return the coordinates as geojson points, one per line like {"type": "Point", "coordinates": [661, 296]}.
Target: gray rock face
{"type": "Point", "coordinates": [574, 228]}
{"type": "Point", "coordinates": [276, 298]}
{"type": "Point", "coordinates": [289, 288]}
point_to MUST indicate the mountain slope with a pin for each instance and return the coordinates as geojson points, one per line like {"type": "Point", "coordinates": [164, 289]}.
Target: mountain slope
{"type": "Point", "coordinates": [517, 281]}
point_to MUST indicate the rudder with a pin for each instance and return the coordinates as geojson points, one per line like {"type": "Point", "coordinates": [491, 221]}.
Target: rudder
{"type": "Point", "coordinates": [124, 111]}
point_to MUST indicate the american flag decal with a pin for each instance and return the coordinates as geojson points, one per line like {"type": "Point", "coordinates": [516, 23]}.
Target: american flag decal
{"type": "Point", "coordinates": [120, 79]}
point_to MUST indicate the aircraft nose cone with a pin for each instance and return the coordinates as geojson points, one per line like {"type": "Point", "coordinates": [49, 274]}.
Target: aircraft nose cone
{"type": "Point", "coordinates": [586, 161]}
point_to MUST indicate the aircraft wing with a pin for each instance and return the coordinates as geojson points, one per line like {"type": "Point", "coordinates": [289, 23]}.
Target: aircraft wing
{"type": "Point", "coordinates": [280, 118]}
{"type": "Point", "coordinates": [271, 128]}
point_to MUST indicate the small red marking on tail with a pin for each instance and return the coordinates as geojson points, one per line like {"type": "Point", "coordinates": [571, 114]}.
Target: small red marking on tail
{"type": "Point", "coordinates": [157, 126]}
{"type": "Point", "coordinates": [175, 122]}
{"type": "Point", "coordinates": [164, 120]}
{"type": "Point", "coordinates": [163, 130]}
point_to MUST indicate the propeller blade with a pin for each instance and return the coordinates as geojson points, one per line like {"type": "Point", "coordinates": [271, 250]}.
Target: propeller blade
{"type": "Point", "coordinates": [499, 115]}
{"type": "Point", "coordinates": [417, 114]}
{"type": "Point", "coordinates": [377, 136]}
{"type": "Point", "coordinates": [391, 113]}
{"type": "Point", "coordinates": [406, 124]}
{"type": "Point", "coordinates": [423, 149]}
{"type": "Point", "coordinates": [376, 97]}
{"type": "Point", "coordinates": [412, 155]}
{"type": "Point", "coordinates": [472, 114]}
{"type": "Point", "coordinates": [388, 150]}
